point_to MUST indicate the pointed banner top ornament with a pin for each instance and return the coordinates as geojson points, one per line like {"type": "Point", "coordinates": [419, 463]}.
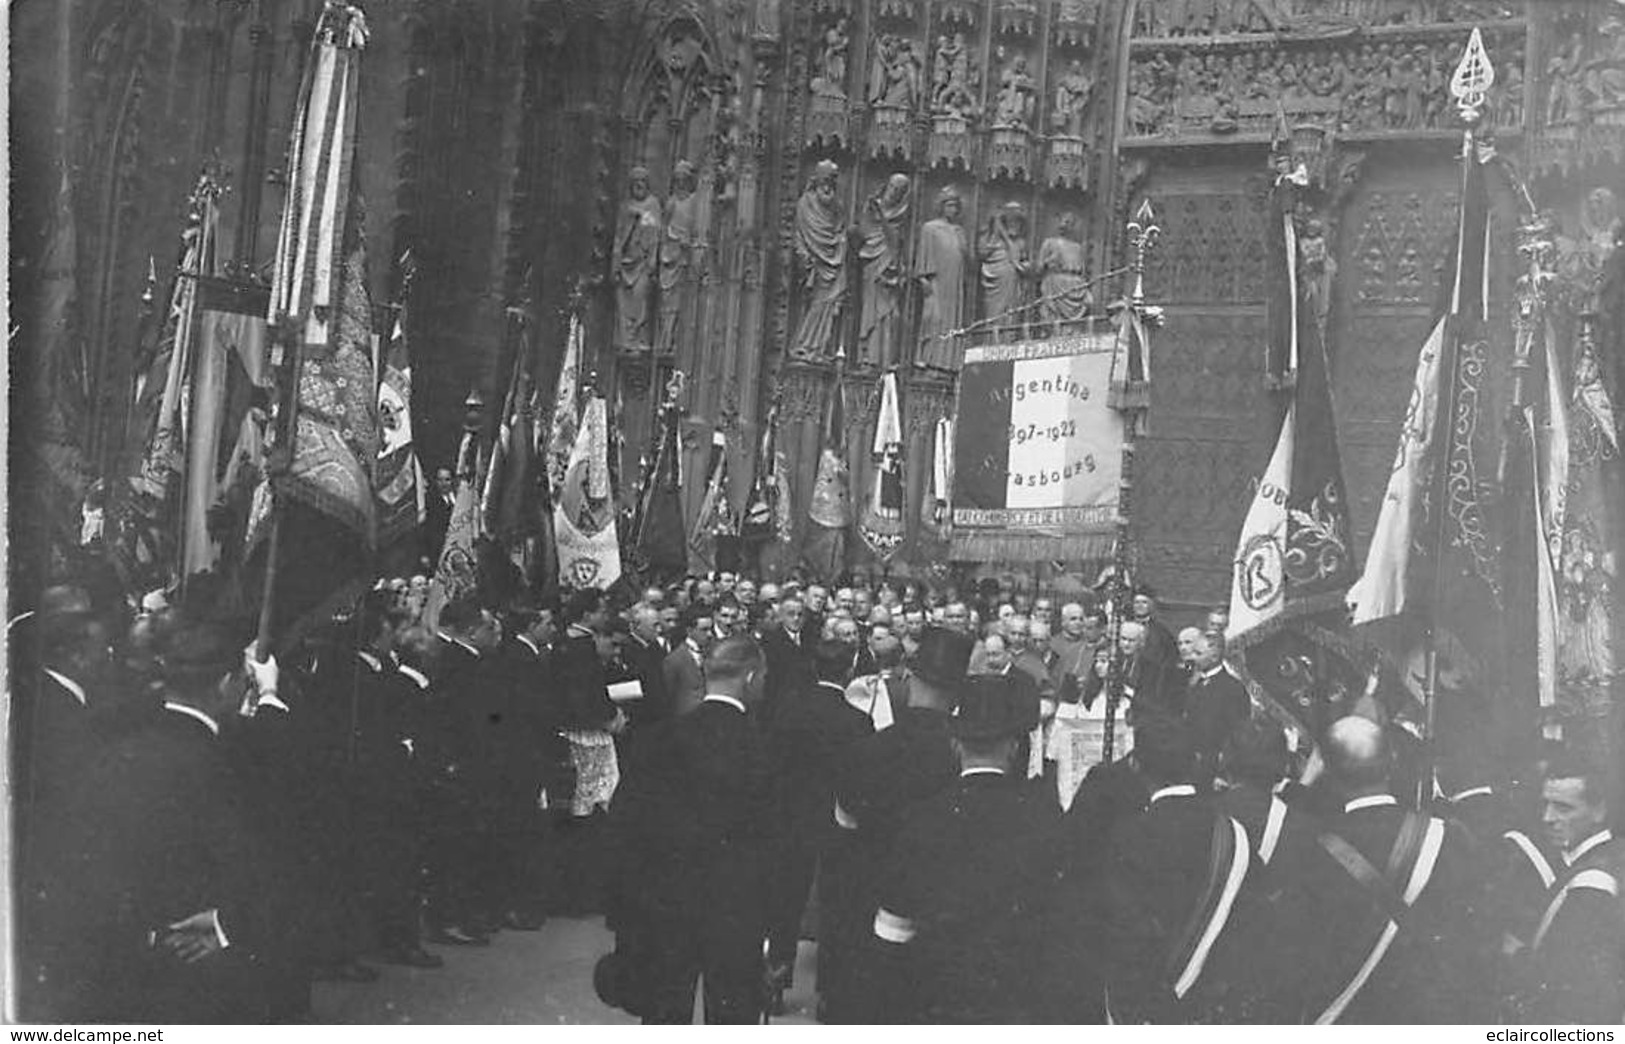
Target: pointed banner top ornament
{"type": "Point", "coordinates": [1474, 77]}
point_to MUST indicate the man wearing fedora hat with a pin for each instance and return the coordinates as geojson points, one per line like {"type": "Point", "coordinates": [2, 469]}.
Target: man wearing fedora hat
{"type": "Point", "coordinates": [969, 894]}
{"type": "Point", "coordinates": [880, 778]}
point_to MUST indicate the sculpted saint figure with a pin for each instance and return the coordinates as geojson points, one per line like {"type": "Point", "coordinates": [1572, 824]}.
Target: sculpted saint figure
{"type": "Point", "coordinates": [881, 253]}
{"type": "Point", "coordinates": [821, 248]}
{"type": "Point", "coordinates": [940, 261]}
{"type": "Point", "coordinates": [1063, 291]}
{"type": "Point", "coordinates": [676, 249]}
{"type": "Point", "coordinates": [1005, 267]}
{"type": "Point", "coordinates": [1071, 101]}
{"type": "Point", "coordinates": [1015, 106]}
{"type": "Point", "coordinates": [636, 248]}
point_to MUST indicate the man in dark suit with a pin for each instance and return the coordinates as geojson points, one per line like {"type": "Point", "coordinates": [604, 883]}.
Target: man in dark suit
{"type": "Point", "coordinates": [808, 732]}
{"type": "Point", "coordinates": [1575, 964]}
{"type": "Point", "coordinates": [165, 901]}
{"type": "Point", "coordinates": [1171, 878]}
{"type": "Point", "coordinates": [708, 821]}
{"type": "Point", "coordinates": [1215, 704]}
{"type": "Point", "coordinates": [970, 888]}
{"type": "Point", "coordinates": [645, 658]}
{"type": "Point", "coordinates": [789, 648]}
{"type": "Point", "coordinates": [437, 508]}
{"type": "Point", "coordinates": [878, 779]}
{"type": "Point", "coordinates": [682, 673]}
{"type": "Point", "coordinates": [1392, 940]}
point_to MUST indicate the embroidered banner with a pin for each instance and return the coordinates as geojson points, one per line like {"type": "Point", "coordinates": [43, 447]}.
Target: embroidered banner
{"type": "Point", "coordinates": [1037, 451]}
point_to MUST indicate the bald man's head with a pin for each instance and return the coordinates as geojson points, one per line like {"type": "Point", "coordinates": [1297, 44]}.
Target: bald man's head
{"type": "Point", "coordinates": [1356, 754]}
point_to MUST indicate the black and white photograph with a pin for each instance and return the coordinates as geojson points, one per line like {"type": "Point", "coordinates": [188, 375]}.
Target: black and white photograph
{"type": "Point", "coordinates": [906, 513]}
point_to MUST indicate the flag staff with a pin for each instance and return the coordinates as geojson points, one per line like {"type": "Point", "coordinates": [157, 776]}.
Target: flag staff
{"type": "Point", "coordinates": [1469, 85]}
{"type": "Point", "coordinates": [1143, 233]}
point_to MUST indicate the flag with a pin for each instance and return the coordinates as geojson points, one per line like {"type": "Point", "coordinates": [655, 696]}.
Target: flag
{"type": "Point", "coordinates": [584, 516]}
{"type": "Point", "coordinates": [1038, 448]}
{"type": "Point", "coordinates": [660, 536]}
{"type": "Point", "coordinates": [1433, 570]}
{"type": "Point", "coordinates": [564, 418]}
{"type": "Point", "coordinates": [399, 484]}
{"type": "Point", "coordinates": [761, 512]}
{"type": "Point", "coordinates": [1295, 557]}
{"type": "Point", "coordinates": [320, 305]}
{"type": "Point", "coordinates": [715, 523]}
{"type": "Point", "coordinates": [831, 507]}
{"type": "Point", "coordinates": [882, 527]}
{"type": "Point", "coordinates": [457, 572]}
{"type": "Point", "coordinates": [936, 507]}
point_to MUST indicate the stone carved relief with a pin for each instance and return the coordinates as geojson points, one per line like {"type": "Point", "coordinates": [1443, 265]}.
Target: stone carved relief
{"type": "Point", "coordinates": [827, 118]}
{"type": "Point", "coordinates": [1581, 92]}
{"type": "Point", "coordinates": [1066, 165]}
{"type": "Point", "coordinates": [1015, 105]}
{"type": "Point", "coordinates": [821, 250]}
{"type": "Point", "coordinates": [1393, 85]}
{"type": "Point", "coordinates": [1075, 23]}
{"type": "Point", "coordinates": [1399, 245]}
{"type": "Point", "coordinates": [1211, 250]}
{"type": "Point", "coordinates": [1017, 17]}
{"type": "Point", "coordinates": [882, 228]}
{"type": "Point", "coordinates": [895, 90]}
{"type": "Point", "coordinates": [1177, 18]}
{"type": "Point", "coordinates": [956, 84]}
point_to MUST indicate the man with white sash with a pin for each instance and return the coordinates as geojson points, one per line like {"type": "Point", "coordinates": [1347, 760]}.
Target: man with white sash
{"type": "Point", "coordinates": [1576, 960]}
{"type": "Point", "coordinates": [1173, 875]}
{"type": "Point", "coordinates": [1393, 893]}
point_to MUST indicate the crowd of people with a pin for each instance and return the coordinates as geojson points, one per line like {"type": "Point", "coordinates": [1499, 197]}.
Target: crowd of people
{"type": "Point", "coordinates": [913, 775]}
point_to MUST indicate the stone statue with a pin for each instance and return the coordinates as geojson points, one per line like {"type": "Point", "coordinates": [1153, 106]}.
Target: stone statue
{"type": "Point", "coordinates": [637, 245]}
{"type": "Point", "coordinates": [830, 75]}
{"type": "Point", "coordinates": [683, 234]}
{"type": "Point", "coordinates": [1316, 267]}
{"type": "Point", "coordinates": [894, 79]}
{"type": "Point", "coordinates": [940, 260]}
{"type": "Point", "coordinates": [821, 248]}
{"type": "Point", "coordinates": [880, 324]}
{"type": "Point", "coordinates": [1015, 105]}
{"type": "Point", "coordinates": [1072, 94]}
{"type": "Point", "coordinates": [953, 91]}
{"type": "Point", "coordinates": [1063, 291]}
{"type": "Point", "coordinates": [1002, 249]}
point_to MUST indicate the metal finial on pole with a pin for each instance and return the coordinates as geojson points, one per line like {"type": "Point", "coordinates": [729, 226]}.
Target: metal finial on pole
{"type": "Point", "coordinates": [1143, 234]}
{"type": "Point", "coordinates": [1473, 78]}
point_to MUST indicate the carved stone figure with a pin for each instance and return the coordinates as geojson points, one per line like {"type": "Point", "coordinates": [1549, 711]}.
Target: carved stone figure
{"type": "Point", "coordinates": [637, 247]}
{"type": "Point", "coordinates": [939, 265]}
{"type": "Point", "coordinates": [1002, 250]}
{"type": "Point", "coordinates": [829, 77]}
{"type": "Point", "coordinates": [1063, 292]}
{"type": "Point", "coordinates": [1015, 106]}
{"type": "Point", "coordinates": [821, 248]}
{"type": "Point", "coordinates": [880, 252]}
{"type": "Point", "coordinates": [894, 79]}
{"type": "Point", "coordinates": [954, 91]}
{"type": "Point", "coordinates": [682, 235]}
{"type": "Point", "coordinates": [1316, 267]}
{"type": "Point", "coordinates": [1072, 93]}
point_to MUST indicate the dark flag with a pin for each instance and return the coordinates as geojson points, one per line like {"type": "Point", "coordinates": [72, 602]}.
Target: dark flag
{"type": "Point", "coordinates": [320, 306]}
{"type": "Point", "coordinates": [715, 525]}
{"type": "Point", "coordinates": [660, 535]}
{"type": "Point", "coordinates": [400, 487]}
{"type": "Point", "coordinates": [1433, 571]}
{"type": "Point", "coordinates": [831, 508]}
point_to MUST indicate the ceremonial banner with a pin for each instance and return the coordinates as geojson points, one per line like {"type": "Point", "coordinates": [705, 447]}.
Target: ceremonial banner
{"type": "Point", "coordinates": [1037, 451]}
{"type": "Point", "coordinates": [830, 510]}
{"type": "Point", "coordinates": [584, 518]}
{"type": "Point", "coordinates": [882, 526]}
{"type": "Point", "coordinates": [400, 488]}
{"type": "Point", "coordinates": [660, 533]}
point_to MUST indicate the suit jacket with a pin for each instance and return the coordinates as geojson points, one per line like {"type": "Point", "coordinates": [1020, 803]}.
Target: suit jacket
{"type": "Point", "coordinates": [808, 734]}
{"type": "Point", "coordinates": [683, 679]}
{"type": "Point", "coordinates": [700, 806]}
{"type": "Point", "coordinates": [1214, 707]}
{"type": "Point", "coordinates": [1157, 866]}
{"type": "Point", "coordinates": [790, 665]}
{"type": "Point", "coordinates": [1577, 969]}
{"type": "Point", "coordinates": [585, 683]}
{"type": "Point", "coordinates": [165, 835]}
{"type": "Point", "coordinates": [436, 520]}
{"type": "Point", "coordinates": [1428, 974]}
{"type": "Point", "coordinates": [968, 896]}
{"type": "Point", "coordinates": [647, 664]}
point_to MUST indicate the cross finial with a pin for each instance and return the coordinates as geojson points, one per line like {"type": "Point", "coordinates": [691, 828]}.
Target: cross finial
{"type": "Point", "coordinates": [1474, 76]}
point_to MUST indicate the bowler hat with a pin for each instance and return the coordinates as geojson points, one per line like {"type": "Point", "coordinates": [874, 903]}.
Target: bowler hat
{"type": "Point", "coordinates": [991, 707]}
{"type": "Point", "coordinates": [942, 657]}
